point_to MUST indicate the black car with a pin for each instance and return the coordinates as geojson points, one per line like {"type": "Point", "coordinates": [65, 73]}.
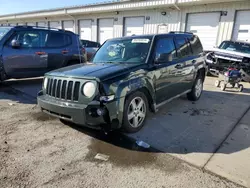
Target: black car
{"type": "Point", "coordinates": [90, 47]}
{"type": "Point", "coordinates": [128, 77]}
{"type": "Point", "coordinates": [27, 51]}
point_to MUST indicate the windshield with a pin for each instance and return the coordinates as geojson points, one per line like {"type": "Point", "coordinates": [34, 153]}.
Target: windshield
{"type": "Point", "coordinates": [131, 50]}
{"type": "Point", "coordinates": [3, 31]}
{"type": "Point", "coordinates": [235, 46]}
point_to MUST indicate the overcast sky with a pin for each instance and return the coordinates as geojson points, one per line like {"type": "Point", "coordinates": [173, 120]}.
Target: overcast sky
{"type": "Point", "coordinates": [15, 6]}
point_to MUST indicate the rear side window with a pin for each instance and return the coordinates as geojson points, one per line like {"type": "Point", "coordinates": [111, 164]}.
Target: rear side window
{"type": "Point", "coordinates": [165, 46]}
{"type": "Point", "coordinates": [183, 47]}
{"type": "Point", "coordinates": [196, 45]}
{"type": "Point", "coordinates": [57, 40]}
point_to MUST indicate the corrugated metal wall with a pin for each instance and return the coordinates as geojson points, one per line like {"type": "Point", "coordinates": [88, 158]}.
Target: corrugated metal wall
{"type": "Point", "coordinates": [174, 19]}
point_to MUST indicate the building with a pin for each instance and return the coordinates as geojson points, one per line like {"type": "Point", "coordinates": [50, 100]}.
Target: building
{"type": "Point", "coordinates": [212, 20]}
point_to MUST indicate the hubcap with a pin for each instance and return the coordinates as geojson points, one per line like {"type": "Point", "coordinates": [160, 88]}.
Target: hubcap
{"type": "Point", "coordinates": [136, 112]}
{"type": "Point", "coordinates": [198, 88]}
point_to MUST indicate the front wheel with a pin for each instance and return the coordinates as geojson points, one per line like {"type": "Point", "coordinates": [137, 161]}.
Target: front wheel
{"type": "Point", "coordinates": [241, 87]}
{"type": "Point", "coordinates": [135, 112]}
{"type": "Point", "coordinates": [196, 91]}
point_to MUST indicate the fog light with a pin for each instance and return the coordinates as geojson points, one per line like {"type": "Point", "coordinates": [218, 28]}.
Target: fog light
{"type": "Point", "coordinates": [100, 111]}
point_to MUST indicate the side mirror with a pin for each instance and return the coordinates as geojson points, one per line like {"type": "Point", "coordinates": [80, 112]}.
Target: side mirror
{"type": "Point", "coordinates": [163, 58]}
{"type": "Point", "coordinates": [15, 44]}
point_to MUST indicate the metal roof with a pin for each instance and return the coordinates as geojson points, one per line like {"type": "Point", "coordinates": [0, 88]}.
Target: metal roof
{"type": "Point", "coordinates": [68, 7]}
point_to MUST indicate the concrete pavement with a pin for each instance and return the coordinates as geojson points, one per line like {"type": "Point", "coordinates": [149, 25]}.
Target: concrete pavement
{"type": "Point", "coordinates": [193, 132]}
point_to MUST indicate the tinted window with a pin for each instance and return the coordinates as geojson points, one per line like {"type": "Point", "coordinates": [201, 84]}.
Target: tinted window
{"type": "Point", "coordinates": [56, 40]}
{"type": "Point", "coordinates": [30, 39]}
{"type": "Point", "coordinates": [165, 46]}
{"type": "Point", "coordinates": [3, 31]}
{"type": "Point", "coordinates": [183, 47]}
{"type": "Point", "coordinates": [90, 44]}
{"type": "Point", "coordinates": [196, 45]}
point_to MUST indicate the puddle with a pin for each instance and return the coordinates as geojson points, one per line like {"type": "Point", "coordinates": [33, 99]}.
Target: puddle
{"type": "Point", "coordinates": [125, 158]}
{"type": "Point", "coordinates": [124, 152]}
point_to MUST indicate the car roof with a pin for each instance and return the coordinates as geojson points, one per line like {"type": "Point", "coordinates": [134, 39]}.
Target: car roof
{"type": "Point", "coordinates": [172, 33]}
{"type": "Point", "coordinates": [237, 41]}
{"type": "Point", "coordinates": [36, 27]}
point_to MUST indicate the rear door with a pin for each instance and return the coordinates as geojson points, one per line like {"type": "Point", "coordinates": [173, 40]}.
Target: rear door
{"type": "Point", "coordinates": [185, 64]}
{"type": "Point", "coordinates": [57, 48]}
{"type": "Point", "coordinates": [165, 79]}
{"type": "Point", "coordinates": [28, 59]}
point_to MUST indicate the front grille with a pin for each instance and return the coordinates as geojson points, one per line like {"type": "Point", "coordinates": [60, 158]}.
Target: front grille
{"type": "Point", "coordinates": [63, 89]}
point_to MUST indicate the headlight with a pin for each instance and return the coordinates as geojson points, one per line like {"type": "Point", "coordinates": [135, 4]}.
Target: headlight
{"type": "Point", "coordinates": [45, 82]}
{"type": "Point", "coordinates": [89, 89]}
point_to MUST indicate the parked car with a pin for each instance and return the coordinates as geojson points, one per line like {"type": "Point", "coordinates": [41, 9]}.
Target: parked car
{"type": "Point", "coordinates": [227, 54]}
{"type": "Point", "coordinates": [90, 47]}
{"type": "Point", "coordinates": [28, 51]}
{"type": "Point", "coordinates": [128, 77]}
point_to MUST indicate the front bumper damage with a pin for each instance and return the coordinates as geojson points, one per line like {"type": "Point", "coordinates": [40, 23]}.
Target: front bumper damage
{"type": "Point", "coordinates": [94, 115]}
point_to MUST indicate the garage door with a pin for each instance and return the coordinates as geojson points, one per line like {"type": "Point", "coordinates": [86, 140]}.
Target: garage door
{"type": "Point", "coordinates": [85, 29]}
{"type": "Point", "coordinates": [68, 25]}
{"type": "Point", "coordinates": [42, 24]}
{"type": "Point", "coordinates": [242, 26]}
{"type": "Point", "coordinates": [106, 29]}
{"type": "Point", "coordinates": [134, 26]}
{"type": "Point", "coordinates": [31, 24]}
{"type": "Point", "coordinates": [205, 25]}
{"type": "Point", "coordinates": [55, 24]}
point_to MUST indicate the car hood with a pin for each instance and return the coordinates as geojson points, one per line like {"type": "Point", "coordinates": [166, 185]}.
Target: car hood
{"type": "Point", "coordinates": [101, 71]}
{"type": "Point", "coordinates": [222, 52]}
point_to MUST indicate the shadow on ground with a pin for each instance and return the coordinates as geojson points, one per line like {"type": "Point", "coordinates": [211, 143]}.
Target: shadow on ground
{"type": "Point", "coordinates": [21, 91]}
{"type": "Point", "coordinates": [183, 127]}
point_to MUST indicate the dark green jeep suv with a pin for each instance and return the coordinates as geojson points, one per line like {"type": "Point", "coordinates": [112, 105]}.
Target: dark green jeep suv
{"type": "Point", "coordinates": [126, 78]}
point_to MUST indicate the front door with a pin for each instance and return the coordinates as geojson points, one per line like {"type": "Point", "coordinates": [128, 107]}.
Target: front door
{"type": "Point", "coordinates": [165, 73]}
{"type": "Point", "coordinates": [26, 60]}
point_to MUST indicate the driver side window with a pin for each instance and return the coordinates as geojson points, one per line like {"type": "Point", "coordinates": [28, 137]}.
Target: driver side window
{"type": "Point", "coordinates": [165, 50]}
{"type": "Point", "coordinates": [28, 39]}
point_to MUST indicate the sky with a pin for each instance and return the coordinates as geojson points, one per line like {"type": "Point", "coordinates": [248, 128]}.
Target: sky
{"type": "Point", "coordinates": [16, 6]}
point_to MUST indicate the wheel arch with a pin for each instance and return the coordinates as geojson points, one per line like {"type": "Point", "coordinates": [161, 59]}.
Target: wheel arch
{"type": "Point", "coordinates": [131, 86]}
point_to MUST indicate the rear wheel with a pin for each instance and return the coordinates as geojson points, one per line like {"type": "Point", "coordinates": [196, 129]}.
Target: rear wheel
{"type": "Point", "coordinates": [196, 92]}
{"type": "Point", "coordinates": [223, 86]}
{"type": "Point", "coordinates": [135, 112]}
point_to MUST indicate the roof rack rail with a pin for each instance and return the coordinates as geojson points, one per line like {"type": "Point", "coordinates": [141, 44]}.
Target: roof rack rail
{"type": "Point", "coordinates": [39, 27]}
{"type": "Point", "coordinates": [183, 32]}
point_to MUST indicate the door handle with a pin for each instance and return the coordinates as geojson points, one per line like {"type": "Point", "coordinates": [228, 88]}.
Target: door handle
{"type": "Point", "coordinates": [178, 66]}
{"type": "Point", "coordinates": [40, 53]}
{"type": "Point", "coordinates": [194, 61]}
{"type": "Point", "coordinates": [65, 51]}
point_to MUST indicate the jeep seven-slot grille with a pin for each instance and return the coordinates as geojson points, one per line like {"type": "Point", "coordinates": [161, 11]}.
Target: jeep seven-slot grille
{"type": "Point", "coordinates": [63, 89]}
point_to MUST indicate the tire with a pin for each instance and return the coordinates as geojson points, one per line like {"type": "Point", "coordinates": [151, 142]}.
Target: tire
{"type": "Point", "coordinates": [133, 117]}
{"type": "Point", "coordinates": [241, 87]}
{"type": "Point", "coordinates": [197, 89]}
{"type": "Point", "coordinates": [223, 86]}
{"type": "Point", "coordinates": [217, 83]}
